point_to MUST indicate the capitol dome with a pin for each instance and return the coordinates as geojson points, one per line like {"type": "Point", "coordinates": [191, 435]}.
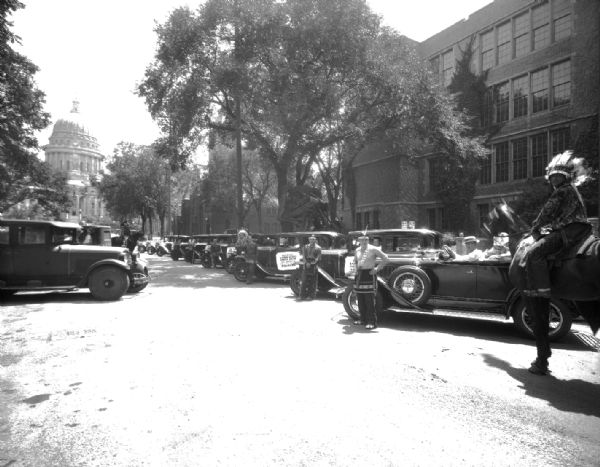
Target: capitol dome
{"type": "Point", "coordinates": [73, 150]}
{"type": "Point", "coordinates": [72, 131]}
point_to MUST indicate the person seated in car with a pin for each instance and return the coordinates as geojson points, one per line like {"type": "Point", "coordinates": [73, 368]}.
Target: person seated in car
{"type": "Point", "coordinates": [499, 250]}
{"type": "Point", "coordinates": [472, 252]}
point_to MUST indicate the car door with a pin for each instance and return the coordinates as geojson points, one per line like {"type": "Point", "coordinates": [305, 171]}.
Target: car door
{"type": "Point", "coordinates": [454, 279]}
{"type": "Point", "coordinates": [6, 262]}
{"type": "Point", "coordinates": [37, 261]}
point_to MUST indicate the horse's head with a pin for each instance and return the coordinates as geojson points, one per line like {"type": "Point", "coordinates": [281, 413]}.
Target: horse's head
{"type": "Point", "coordinates": [502, 218]}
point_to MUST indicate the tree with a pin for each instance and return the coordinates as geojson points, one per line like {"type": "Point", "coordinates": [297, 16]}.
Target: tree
{"type": "Point", "coordinates": [22, 175]}
{"type": "Point", "coordinates": [309, 73]}
{"type": "Point", "coordinates": [136, 184]}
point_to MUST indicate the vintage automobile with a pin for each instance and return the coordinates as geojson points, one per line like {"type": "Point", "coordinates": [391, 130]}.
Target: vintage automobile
{"type": "Point", "coordinates": [277, 257]}
{"type": "Point", "coordinates": [102, 235]}
{"type": "Point", "coordinates": [193, 250]}
{"type": "Point", "coordinates": [47, 255]}
{"type": "Point", "coordinates": [430, 282]}
{"type": "Point", "coordinates": [179, 242]}
{"type": "Point", "coordinates": [227, 252]}
{"type": "Point", "coordinates": [331, 271]}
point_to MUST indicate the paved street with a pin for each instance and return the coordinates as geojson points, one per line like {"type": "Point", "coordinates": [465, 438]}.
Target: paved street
{"type": "Point", "coordinates": [201, 370]}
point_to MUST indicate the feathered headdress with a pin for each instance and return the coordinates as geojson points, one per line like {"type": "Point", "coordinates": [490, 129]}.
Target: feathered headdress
{"type": "Point", "coordinates": [571, 167]}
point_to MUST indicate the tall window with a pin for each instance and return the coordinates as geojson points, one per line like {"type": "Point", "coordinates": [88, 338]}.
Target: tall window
{"type": "Point", "coordinates": [487, 50]}
{"type": "Point", "coordinates": [520, 95]}
{"type": "Point", "coordinates": [501, 100]}
{"type": "Point", "coordinates": [541, 26]}
{"type": "Point", "coordinates": [367, 220]}
{"type": "Point", "coordinates": [561, 19]}
{"type": "Point", "coordinates": [357, 221]}
{"type": "Point", "coordinates": [375, 219]}
{"type": "Point", "coordinates": [435, 170]}
{"type": "Point", "coordinates": [504, 44]}
{"type": "Point", "coordinates": [501, 162]}
{"type": "Point", "coordinates": [561, 140]}
{"type": "Point", "coordinates": [539, 90]}
{"type": "Point", "coordinates": [561, 83]}
{"type": "Point", "coordinates": [519, 148]}
{"type": "Point", "coordinates": [447, 67]}
{"type": "Point", "coordinates": [488, 108]}
{"type": "Point", "coordinates": [434, 65]}
{"type": "Point", "coordinates": [539, 154]}
{"type": "Point", "coordinates": [431, 218]}
{"type": "Point", "coordinates": [521, 35]}
{"type": "Point", "coordinates": [483, 211]}
{"type": "Point", "coordinates": [485, 175]}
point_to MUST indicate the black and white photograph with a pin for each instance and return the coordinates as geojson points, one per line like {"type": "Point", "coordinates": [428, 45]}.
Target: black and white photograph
{"type": "Point", "coordinates": [299, 233]}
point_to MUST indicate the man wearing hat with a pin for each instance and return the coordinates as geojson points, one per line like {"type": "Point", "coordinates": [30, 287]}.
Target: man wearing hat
{"type": "Point", "coordinates": [365, 286]}
{"type": "Point", "coordinates": [471, 251]}
{"type": "Point", "coordinates": [310, 257]}
{"type": "Point", "coordinates": [564, 218]}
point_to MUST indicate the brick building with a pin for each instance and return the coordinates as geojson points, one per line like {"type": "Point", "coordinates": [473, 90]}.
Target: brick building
{"type": "Point", "coordinates": [543, 78]}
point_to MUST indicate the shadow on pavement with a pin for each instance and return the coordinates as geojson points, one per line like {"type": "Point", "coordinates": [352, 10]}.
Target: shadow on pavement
{"type": "Point", "coordinates": [479, 328]}
{"type": "Point", "coordinates": [573, 395]}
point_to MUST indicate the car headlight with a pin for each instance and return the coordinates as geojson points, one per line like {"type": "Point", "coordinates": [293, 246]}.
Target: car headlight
{"type": "Point", "coordinates": [127, 257]}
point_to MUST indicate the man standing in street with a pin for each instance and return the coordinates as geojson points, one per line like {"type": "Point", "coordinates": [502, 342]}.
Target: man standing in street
{"type": "Point", "coordinates": [366, 280]}
{"type": "Point", "coordinates": [311, 255]}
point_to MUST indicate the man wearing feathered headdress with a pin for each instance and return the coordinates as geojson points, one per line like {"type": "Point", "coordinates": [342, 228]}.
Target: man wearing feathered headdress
{"type": "Point", "coordinates": [564, 219]}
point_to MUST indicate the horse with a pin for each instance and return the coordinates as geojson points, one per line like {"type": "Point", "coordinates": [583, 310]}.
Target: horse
{"type": "Point", "coordinates": [574, 277]}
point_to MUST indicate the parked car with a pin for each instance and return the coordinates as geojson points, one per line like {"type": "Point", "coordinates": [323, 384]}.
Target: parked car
{"type": "Point", "coordinates": [277, 257]}
{"type": "Point", "coordinates": [426, 282]}
{"type": "Point", "coordinates": [102, 235]}
{"type": "Point", "coordinates": [47, 255]}
{"type": "Point", "coordinates": [331, 271]}
{"type": "Point", "coordinates": [179, 242]}
{"type": "Point", "coordinates": [227, 252]}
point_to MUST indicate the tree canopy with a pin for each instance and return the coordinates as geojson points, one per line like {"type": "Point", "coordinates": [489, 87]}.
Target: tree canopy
{"type": "Point", "coordinates": [22, 175]}
{"type": "Point", "coordinates": [307, 74]}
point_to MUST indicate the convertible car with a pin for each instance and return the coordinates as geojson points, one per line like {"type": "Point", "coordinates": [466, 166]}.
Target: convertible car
{"type": "Point", "coordinates": [434, 281]}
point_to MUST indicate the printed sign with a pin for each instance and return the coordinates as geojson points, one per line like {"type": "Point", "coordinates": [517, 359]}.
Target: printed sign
{"type": "Point", "coordinates": [231, 250]}
{"type": "Point", "coordinates": [411, 224]}
{"type": "Point", "coordinates": [350, 266]}
{"type": "Point", "coordinates": [404, 225]}
{"type": "Point", "coordinates": [287, 260]}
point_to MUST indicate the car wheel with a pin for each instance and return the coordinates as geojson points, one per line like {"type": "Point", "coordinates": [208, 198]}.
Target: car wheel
{"type": "Point", "coordinates": [160, 252]}
{"type": "Point", "coordinates": [351, 303]}
{"type": "Point", "coordinates": [174, 255]}
{"type": "Point", "coordinates": [296, 281]}
{"type": "Point", "coordinates": [141, 248]}
{"type": "Point", "coordinates": [412, 283]}
{"type": "Point", "coordinates": [151, 250]}
{"type": "Point", "coordinates": [560, 320]}
{"type": "Point", "coordinates": [108, 283]}
{"type": "Point", "coordinates": [240, 271]}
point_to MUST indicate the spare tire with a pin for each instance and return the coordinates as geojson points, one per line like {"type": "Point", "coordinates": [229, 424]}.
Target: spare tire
{"type": "Point", "coordinates": [412, 283]}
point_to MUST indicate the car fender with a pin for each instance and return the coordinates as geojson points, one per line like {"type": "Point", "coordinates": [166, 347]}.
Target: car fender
{"type": "Point", "coordinates": [105, 262]}
{"type": "Point", "coordinates": [513, 297]}
{"type": "Point", "coordinates": [325, 275]}
{"type": "Point", "coordinates": [395, 296]}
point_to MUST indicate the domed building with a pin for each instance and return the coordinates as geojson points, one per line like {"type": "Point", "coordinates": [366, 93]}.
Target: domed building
{"type": "Point", "coordinates": [74, 150]}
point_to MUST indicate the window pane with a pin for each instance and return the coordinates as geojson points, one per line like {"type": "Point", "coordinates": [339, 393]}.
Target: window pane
{"type": "Point", "coordinates": [447, 67]}
{"type": "Point", "coordinates": [541, 15]}
{"type": "Point", "coordinates": [504, 47]}
{"type": "Point", "coordinates": [4, 234]}
{"type": "Point", "coordinates": [539, 89]}
{"type": "Point", "coordinates": [485, 176]}
{"type": "Point", "coordinates": [487, 50]}
{"type": "Point", "coordinates": [519, 148]}
{"type": "Point", "coordinates": [31, 235]}
{"type": "Point", "coordinates": [501, 98]}
{"type": "Point", "coordinates": [501, 162]}
{"type": "Point", "coordinates": [522, 35]}
{"type": "Point", "coordinates": [539, 154]}
{"type": "Point", "coordinates": [520, 96]}
{"type": "Point", "coordinates": [561, 83]}
{"type": "Point", "coordinates": [541, 37]}
{"type": "Point", "coordinates": [560, 140]}
{"type": "Point", "coordinates": [483, 210]}
{"type": "Point", "coordinates": [434, 63]}
{"type": "Point", "coordinates": [488, 107]}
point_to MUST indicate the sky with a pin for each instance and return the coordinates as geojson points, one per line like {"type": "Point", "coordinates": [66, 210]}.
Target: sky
{"type": "Point", "coordinates": [96, 51]}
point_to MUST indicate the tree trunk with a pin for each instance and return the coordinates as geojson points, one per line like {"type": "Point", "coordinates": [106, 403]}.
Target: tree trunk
{"type": "Point", "coordinates": [282, 188]}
